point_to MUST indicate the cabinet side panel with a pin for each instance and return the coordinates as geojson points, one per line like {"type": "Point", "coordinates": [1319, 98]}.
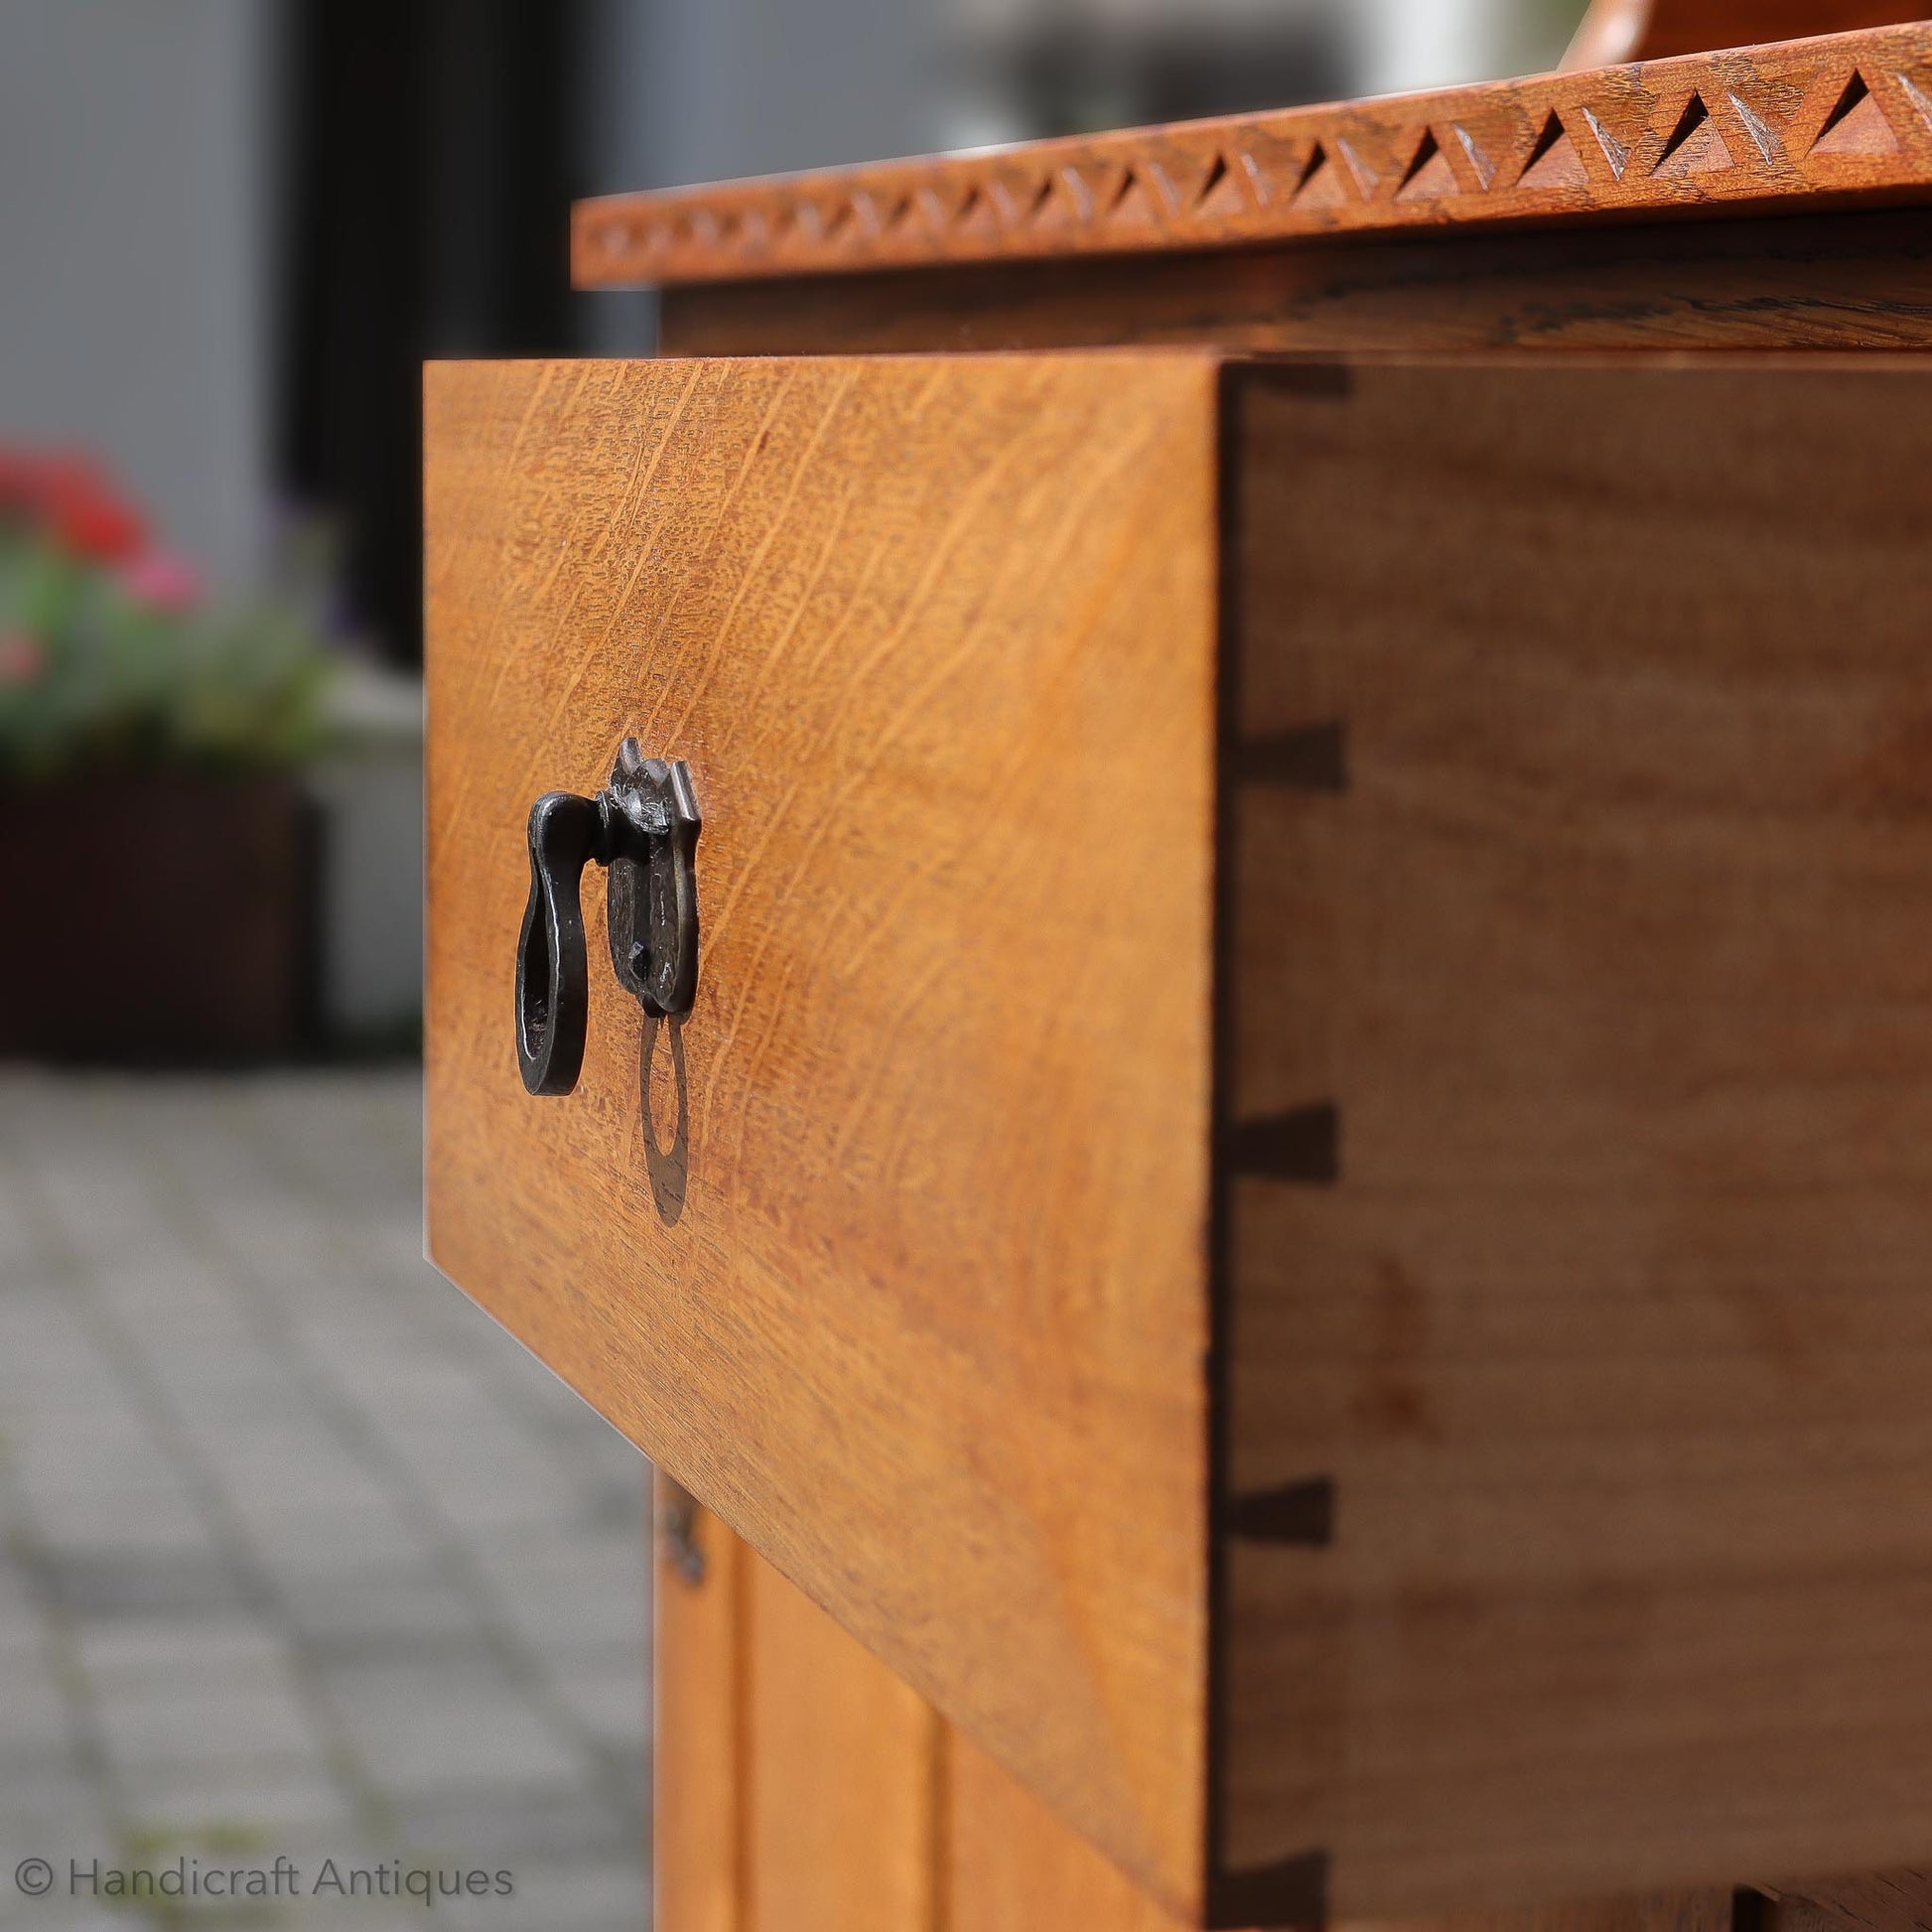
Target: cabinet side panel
{"type": "Point", "coordinates": [698, 1828]}
{"type": "Point", "coordinates": [1579, 1167]}
{"type": "Point", "coordinates": [844, 1779]}
{"type": "Point", "coordinates": [892, 1252]}
{"type": "Point", "coordinates": [798, 1782]}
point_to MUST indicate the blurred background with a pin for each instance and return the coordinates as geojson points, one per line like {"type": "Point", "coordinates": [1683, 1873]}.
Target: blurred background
{"type": "Point", "coordinates": [236, 228]}
{"type": "Point", "coordinates": [297, 1552]}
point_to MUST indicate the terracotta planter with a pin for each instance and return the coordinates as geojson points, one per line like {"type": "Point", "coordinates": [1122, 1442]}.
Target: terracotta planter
{"type": "Point", "coordinates": [155, 917]}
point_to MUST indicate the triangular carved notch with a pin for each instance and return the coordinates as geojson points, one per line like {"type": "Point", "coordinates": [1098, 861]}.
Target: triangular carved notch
{"type": "Point", "coordinates": [1554, 161]}
{"type": "Point", "coordinates": [1174, 198]}
{"type": "Point", "coordinates": [1697, 144]}
{"type": "Point", "coordinates": [1764, 139]}
{"type": "Point", "coordinates": [1852, 96]}
{"type": "Point", "coordinates": [1857, 124]}
{"type": "Point", "coordinates": [1132, 205]}
{"type": "Point", "coordinates": [865, 206]}
{"type": "Point", "coordinates": [1429, 175]}
{"type": "Point", "coordinates": [1077, 193]}
{"type": "Point", "coordinates": [1017, 204]}
{"type": "Point", "coordinates": [1485, 169]}
{"type": "Point", "coordinates": [1915, 94]}
{"type": "Point", "coordinates": [1320, 185]}
{"type": "Point", "coordinates": [1226, 188]}
{"type": "Point", "coordinates": [1614, 151]}
{"type": "Point", "coordinates": [1063, 197]}
{"type": "Point", "coordinates": [1367, 178]}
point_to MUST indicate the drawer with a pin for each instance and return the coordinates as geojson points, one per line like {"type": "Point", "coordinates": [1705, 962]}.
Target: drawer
{"type": "Point", "coordinates": [1299, 1183]}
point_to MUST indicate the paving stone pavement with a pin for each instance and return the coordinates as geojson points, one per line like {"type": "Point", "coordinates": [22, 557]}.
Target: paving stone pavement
{"type": "Point", "coordinates": [300, 1553]}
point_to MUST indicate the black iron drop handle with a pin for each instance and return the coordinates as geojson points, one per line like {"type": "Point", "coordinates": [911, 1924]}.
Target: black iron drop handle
{"type": "Point", "coordinates": [642, 828]}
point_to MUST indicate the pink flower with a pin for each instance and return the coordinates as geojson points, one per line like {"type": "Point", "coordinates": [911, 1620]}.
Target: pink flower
{"type": "Point", "coordinates": [22, 658]}
{"type": "Point", "coordinates": [161, 581]}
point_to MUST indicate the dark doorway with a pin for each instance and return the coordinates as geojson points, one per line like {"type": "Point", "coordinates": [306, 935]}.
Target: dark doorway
{"type": "Point", "coordinates": [429, 179]}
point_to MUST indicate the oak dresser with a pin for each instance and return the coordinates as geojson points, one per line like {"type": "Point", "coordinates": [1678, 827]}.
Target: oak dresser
{"type": "Point", "coordinates": [1181, 924]}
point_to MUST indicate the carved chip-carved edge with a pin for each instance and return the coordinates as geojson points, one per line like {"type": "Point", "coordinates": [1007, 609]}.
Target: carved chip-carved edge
{"type": "Point", "coordinates": [1847, 116]}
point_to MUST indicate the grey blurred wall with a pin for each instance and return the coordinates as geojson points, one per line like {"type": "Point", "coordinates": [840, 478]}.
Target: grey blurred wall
{"type": "Point", "coordinates": [691, 91]}
{"type": "Point", "coordinates": [137, 151]}
{"type": "Point", "coordinates": [134, 199]}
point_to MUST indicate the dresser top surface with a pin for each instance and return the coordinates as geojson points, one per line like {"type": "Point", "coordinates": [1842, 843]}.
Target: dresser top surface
{"type": "Point", "coordinates": [1842, 120]}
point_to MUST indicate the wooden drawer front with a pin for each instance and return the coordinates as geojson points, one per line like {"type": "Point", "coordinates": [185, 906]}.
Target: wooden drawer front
{"type": "Point", "coordinates": [1301, 1180]}
{"type": "Point", "coordinates": [900, 1267]}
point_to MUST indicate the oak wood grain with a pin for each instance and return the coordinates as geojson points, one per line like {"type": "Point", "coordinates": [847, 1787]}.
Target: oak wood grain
{"type": "Point", "coordinates": [1013, 1865]}
{"type": "Point", "coordinates": [1541, 1305]}
{"type": "Point", "coordinates": [900, 1271]}
{"type": "Point", "coordinates": [1899, 1900]}
{"type": "Point", "coordinates": [1839, 281]}
{"type": "Point", "coordinates": [1789, 1912]}
{"type": "Point", "coordinates": [1842, 120]}
{"type": "Point", "coordinates": [1605, 941]}
{"type": "Point", "coordinates": [843, 1778]}
{"type": "Point", "coordinates": [801, 1785]}
{"type": "Point", "coordinates": [830, 1739]}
